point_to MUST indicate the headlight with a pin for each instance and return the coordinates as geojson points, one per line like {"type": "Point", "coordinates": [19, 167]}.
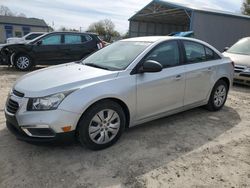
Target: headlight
{"type": "Point", "coordinates": [46, 103]}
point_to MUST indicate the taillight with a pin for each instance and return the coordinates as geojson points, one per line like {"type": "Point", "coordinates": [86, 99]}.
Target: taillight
{"type": "Point", "coordinates": [100, 45]}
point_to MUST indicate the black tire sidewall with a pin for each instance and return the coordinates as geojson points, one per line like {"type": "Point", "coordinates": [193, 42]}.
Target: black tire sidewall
{"type": "Point", "coordinates": [211, 105]}
{"type": "Point", "coordinates": [30, 62]}
{"type": "Point", "coordinates": [83, 124]}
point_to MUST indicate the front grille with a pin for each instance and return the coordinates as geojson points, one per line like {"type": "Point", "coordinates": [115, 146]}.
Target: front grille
{"type": "Point", "coordinates": [245, 75]}
{"type": "Point", "coordinates": [237, 71]}
{"type": "Point", "coordinates": [239, 68]}
{"type": "Point", "coordinates": [12, 106]}
{"type": "Point", "coordinates": [17, 93]}
{"type": "Point", "coordinates": [238, 80]}
{"type": "Point", "coordinates": [41, 132]}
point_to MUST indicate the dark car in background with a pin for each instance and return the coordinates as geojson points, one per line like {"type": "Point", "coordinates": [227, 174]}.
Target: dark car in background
{"type": "Point", "coordinates": [50, 49]}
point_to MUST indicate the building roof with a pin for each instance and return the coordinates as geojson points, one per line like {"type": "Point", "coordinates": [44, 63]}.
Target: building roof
{"type": "Point", "coordinates": [188, 7]}
{"type": "Point", "coordinates": [23, 21]}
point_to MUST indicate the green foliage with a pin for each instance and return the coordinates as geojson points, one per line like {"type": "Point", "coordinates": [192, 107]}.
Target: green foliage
{"type": "Point", "coordinates": [105, 28]}
{"type": "Point", "coordinates": [246, 7]}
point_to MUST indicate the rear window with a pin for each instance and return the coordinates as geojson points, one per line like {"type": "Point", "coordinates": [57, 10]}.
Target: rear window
{"type": "Point", "coordinates": [86, 38]}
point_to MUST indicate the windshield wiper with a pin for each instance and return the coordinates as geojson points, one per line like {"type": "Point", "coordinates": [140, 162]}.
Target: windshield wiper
{"type": "Point", "coordinates": [96, 66]}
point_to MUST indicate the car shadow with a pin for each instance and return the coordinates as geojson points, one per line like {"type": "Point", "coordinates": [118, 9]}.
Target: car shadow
{"type": "Point", "coordinates": [241, 88]}
{"type": "Point", "coordinates": [140, 150]}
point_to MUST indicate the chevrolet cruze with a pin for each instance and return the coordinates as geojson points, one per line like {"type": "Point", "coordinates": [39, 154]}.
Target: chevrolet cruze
{"type": "Point", "coordinates": [122, 85]}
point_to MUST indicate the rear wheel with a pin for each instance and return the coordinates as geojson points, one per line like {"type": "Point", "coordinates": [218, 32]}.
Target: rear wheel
{"type": "Point", "coordinates": [218, 96]}
{"type": "Point", "coordinates": [23, 62]}
{"type": "Point", "coordinates": [101, 125]}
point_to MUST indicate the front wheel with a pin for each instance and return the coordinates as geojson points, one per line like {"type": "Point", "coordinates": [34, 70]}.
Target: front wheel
{"type": "Point", "coordinates": [218, 96]}
{"type": "Point", "coordinates": [23, 62]}
{"type": "Point", "coordinates": [101, 125]}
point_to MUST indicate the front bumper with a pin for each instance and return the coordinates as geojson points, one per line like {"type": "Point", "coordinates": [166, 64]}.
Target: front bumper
{"type": "Point", "coordinates": [242, 78]}
{"type": "Point", "coordinates": [12, 125]}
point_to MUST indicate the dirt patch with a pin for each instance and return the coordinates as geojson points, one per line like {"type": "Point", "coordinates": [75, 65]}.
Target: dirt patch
{"type": "Point", "coordinates": [196, 148]}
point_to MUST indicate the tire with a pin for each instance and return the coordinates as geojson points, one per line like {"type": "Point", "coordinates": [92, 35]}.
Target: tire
{"type": "Point", "coordinates": [23, 62]}
{"type": "Point", "coordinates": [218, 96]}
{"type": "Point", "coordinates": [101, 125]}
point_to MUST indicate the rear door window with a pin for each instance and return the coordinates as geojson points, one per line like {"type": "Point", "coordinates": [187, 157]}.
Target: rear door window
{"type": "Point", "coordinates": [195, 52]}
{"type": "Point", "coordinates": [72, 39]}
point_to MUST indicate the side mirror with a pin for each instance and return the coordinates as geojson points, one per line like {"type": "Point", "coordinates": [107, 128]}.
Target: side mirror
{"type": "Point", "coordinates": [39, 43]}
{"type": "Point", "coordinates": [226, 48]}
{"type": "Point", "coordinates": [150, 66]}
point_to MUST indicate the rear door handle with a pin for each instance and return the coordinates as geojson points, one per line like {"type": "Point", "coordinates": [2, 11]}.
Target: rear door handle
{"type": "Point", "coordinates": [209, 69]}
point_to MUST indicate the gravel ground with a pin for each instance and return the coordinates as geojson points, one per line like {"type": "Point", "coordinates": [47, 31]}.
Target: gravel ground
{"type": "Point", "coordinates": [196, 148]}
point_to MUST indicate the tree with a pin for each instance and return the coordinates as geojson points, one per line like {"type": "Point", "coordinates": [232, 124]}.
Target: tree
{"type": "Point", "coordinates": [246, 7]}
{"type": "Point", "coordinates": [5, 11]}
{"type": "Point", "coordinates": [63, 28]}
{"type": "Point", "coordinates": [105, 28]}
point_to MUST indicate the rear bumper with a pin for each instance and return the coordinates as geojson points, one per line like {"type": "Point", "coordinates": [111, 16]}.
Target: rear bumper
{"type": "Point", "coordinates": [14, 128]}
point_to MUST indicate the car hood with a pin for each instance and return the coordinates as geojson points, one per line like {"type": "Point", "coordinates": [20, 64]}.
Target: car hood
{"type": "Point", "coordinates": [11, 45]}
{"type": "Point", "coordinates": [61, 78]}
{"type": "Point", "coordinates": [238, 58]}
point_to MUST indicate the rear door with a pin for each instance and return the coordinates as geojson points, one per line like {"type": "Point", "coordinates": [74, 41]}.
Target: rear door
{"type": "Point", "coordinates": [47, 49]}
{"type": "Point", "coordinates": [200, 69]}
{"type": "Point", "coordinates": [76, 46]}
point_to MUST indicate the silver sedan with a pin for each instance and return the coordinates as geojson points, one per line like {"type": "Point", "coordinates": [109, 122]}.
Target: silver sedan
{"type": "Point", "coordinates": [127, 83]}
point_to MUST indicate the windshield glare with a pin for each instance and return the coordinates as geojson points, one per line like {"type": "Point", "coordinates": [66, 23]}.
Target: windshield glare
{"type": "Point", "coordinates": [241, 47]}
{"type": "Point", "coordinates": [117, 56]}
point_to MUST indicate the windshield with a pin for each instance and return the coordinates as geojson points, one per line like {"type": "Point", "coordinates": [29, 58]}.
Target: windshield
{"type": "Point", "coordinates": [116, 56]}
{"type": "Point", "coordinates": [241, 47]}
{"type": "Point", "coordinates": [36, 39]}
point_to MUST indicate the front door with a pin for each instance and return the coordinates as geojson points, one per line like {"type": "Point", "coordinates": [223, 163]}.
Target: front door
{"type": "Point", "coordinates": [47, 50]}
{"type": "Point", "coordinates": [161, 91]}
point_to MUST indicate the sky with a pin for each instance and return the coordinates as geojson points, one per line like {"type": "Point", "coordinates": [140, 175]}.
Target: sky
{"type": "Point", "coordinates": [78, 14]}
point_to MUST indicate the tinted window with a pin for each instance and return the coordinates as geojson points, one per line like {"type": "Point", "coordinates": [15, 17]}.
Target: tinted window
{"type": "Point", "coordinates": [194, 52]}
{"type": "Point", "coordinates": [72, 39]}
{"type": "Point", "coordinates": [211, 55]}
{"type": "Point", "coordinates": [86, 38]}
{"type": "Point", "coordinates": [32, 36]}
{"type": "Point", "coordinates": [167, 54]}
{"type": "Point", "coordinates": [52, 40]}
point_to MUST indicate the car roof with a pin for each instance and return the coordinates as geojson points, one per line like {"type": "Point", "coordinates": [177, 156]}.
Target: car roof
{"type": "Point", "coordinates": [73, 32]}
{"type": "Point", "coordinates": [153, 39]}
{"type": "Point", "coordinates": [147, 39]}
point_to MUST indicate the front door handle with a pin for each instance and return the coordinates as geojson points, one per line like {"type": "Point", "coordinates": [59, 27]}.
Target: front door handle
{"type": "Point", "coordinates": [178, 77]}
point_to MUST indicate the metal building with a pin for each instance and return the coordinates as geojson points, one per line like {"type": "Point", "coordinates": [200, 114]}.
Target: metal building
{"type": "Point", "coordinates": [218, 28]}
